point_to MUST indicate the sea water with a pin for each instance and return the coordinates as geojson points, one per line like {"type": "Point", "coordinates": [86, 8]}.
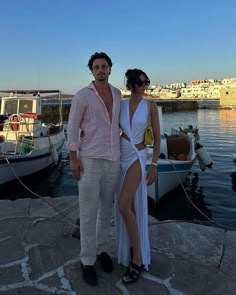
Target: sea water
{"type": "Point", "coordinates": [213, 191]}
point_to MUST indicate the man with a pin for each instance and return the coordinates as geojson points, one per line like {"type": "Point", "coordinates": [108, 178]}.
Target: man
{"type": "Point", "coordinates": [95, 162]}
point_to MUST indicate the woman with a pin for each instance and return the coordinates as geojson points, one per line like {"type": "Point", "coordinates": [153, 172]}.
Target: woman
{"type": "Point", "coordinates": [132, 210]}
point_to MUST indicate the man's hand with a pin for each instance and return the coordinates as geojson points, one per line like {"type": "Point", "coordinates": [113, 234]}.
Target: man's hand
{"type": "Point", "coordinates": [76, 165]}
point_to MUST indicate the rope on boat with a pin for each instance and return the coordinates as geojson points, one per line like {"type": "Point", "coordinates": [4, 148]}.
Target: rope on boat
{"type": "Point", "coordinates": [191, 202]}
{"type": "Point", "coordinates": [71, 222]}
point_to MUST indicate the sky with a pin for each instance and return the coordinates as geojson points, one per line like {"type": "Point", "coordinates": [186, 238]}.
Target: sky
{"type": "Point", "coordinates": [46, 44]}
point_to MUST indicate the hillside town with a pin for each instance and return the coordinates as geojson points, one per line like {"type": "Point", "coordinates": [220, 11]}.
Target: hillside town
{"type": "Point", "coordinates": [196, 89]}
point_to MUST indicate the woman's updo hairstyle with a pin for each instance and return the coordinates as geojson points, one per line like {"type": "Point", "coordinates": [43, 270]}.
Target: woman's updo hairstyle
{"type": "Point", "coordinates": [132, 76]}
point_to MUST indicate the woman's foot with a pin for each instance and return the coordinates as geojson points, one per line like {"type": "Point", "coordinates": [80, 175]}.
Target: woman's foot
{"type": "Point", "coordinates": [132, 274]}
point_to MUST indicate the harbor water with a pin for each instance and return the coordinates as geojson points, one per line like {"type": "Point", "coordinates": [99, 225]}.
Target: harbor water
{"type": "Point", "coordinates": [212, 191]}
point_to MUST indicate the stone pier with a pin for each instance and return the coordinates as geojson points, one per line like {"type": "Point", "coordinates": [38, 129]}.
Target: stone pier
{"type": "Point", "coordinates": [39, 256]}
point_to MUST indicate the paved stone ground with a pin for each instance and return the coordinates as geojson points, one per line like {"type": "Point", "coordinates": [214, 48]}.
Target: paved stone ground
{"type": "Point", "coordinates": [38, 255]}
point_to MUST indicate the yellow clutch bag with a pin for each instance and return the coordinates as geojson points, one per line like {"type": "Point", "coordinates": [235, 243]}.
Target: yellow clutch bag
{"type": "Point", "coordinates": [148, 134]}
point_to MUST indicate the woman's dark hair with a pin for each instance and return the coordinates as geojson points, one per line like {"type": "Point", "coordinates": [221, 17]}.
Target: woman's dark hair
{"type": "Point", "coordinates": [98, 55]}
{"type": "Point", "coordinates": [132, 77]}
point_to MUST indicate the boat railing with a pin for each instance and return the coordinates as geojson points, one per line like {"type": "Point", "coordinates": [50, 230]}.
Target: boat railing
{"type": "Point", "coordinates": [13, 129]}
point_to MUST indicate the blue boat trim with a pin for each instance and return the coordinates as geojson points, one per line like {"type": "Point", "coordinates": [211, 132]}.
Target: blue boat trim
{"type": "Point", "coordinates": [172, 168]}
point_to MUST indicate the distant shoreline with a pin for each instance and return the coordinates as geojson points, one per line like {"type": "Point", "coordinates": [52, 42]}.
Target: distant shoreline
{"type": "Point", "coordinates": [55, 100]}
{"type": "Point", "coordinates": [50, 107]}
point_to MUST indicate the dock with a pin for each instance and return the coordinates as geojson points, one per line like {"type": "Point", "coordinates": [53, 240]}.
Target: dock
{"type": "Point", "coordinates": [40, 256]}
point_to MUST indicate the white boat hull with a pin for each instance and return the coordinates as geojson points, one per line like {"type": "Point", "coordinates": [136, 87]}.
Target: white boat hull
{"type": "Point", "coordinates": [171, 174]}
{"type": "Point", "coordinates": [17, 165]}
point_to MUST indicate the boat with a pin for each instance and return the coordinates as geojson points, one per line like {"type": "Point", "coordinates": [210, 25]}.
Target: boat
{"type": "Point", "coordinates": [178, 152]}
{"type": "Point", "coordinates": [27, 144]}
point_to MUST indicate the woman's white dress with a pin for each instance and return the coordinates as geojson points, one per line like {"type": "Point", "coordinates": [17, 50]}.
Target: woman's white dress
{"type": "Point", "coordinates": [129, 154]}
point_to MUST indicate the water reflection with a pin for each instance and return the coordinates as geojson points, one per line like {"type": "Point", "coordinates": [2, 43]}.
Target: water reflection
{"type": "Point", "coordinates": [233, 177]}
{"type": "Point", "coordinates": [213, 191]}
{"type": "Point", "coordinates": [227, 116]}
{"type": "Point", "coordinates": [195, 194]}
{"type": "Point", "coordinates": [182, 204]}
{"type": "Point", "coordinates": [48, 182]}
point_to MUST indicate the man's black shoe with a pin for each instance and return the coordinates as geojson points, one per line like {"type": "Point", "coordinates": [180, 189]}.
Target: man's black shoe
{"type": "Point", "coordinates": [106, 262]}
{"type": "Point", "coordinates": [89, 274]}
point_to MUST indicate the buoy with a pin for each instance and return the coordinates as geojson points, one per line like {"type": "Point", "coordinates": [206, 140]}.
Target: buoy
{"type": "Point", "coordinates": [201, 164]}
{"type": "Point", "coordinates": [54, 153]}
{"type": "Point", "coordinates": [203, 155]}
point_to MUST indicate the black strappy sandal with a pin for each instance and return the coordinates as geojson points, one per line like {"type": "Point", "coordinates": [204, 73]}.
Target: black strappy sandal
{"type": "Point", "coordinates": [132, 275]}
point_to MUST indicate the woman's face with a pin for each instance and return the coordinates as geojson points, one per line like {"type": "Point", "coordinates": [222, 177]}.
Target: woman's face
{"type": "Point", "coordinates": [141, 84]}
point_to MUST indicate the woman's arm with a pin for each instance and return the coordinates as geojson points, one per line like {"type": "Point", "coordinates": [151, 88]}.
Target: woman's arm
{"type": "Point", "coordinates": [152, 172]}
{"type": "Point", "coordinates": [156, 131]}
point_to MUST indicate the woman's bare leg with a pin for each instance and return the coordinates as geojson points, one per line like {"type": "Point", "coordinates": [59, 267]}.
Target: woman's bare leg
{"type": "Point", "coordinates": [126, 207]}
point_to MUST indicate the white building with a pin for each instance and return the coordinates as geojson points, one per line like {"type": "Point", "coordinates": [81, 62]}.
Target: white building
{"type": "Point", "coordinates": [196, 89]}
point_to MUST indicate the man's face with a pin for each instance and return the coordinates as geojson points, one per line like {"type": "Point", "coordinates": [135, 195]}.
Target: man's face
{"type": "Point", "coordinates": [100, 69]}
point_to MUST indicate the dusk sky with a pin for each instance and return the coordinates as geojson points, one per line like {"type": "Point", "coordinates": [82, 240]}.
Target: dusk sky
{"type": "Point", "coordinates": [46, 44]}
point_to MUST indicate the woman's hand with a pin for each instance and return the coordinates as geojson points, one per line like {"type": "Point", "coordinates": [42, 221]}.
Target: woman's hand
{"type": "Point", "coordinates": [151, 175]}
